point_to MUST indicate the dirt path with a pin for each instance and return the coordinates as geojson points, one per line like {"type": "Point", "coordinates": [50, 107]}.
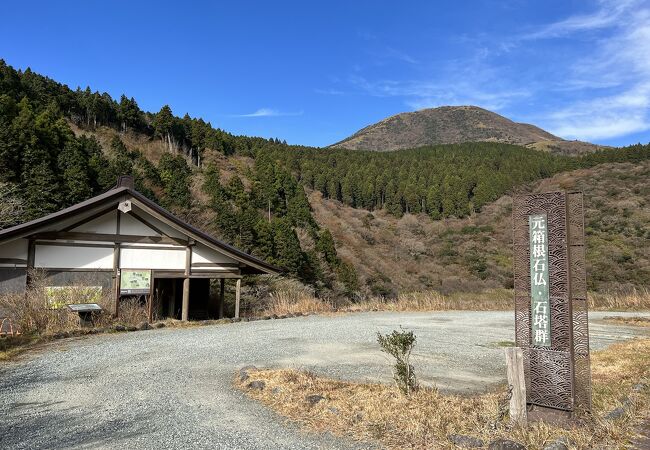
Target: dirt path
{"type": "Point", "coordinates": [172, 388]}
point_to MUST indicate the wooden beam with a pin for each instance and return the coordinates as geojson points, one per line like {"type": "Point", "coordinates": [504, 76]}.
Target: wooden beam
{"type": "Point", "coordinates": [147, 223]}
{"type": "Point", "coordinates": [187, 232]}
{"type": "Point", "coordinates": [13, 261]}
{"type": "Point", "coordinates": [222, 292]}
{"type": "Point", "coordinates": [186, 284]}
{"type": "Point", "coordinates": [214, 265]}
{"type": "Point", "coordinates": [172, 301]}
{"type": "Point", "coordinates": [237, 297]}
{"type": "Point", "coordinates": [73, 269]}
{"type": "Point", "coordinates": [516, 385]}
{"type": "Point", "coordinates": [75, 244]}
{"type": "Point", "coordinates": [89, 218]}
{"type": "Point", "coordinates": [102, 237]}
{"type": "Point", "coordinates": [195, 274]}
{"type": "Point", "coordinates": [31, 253]}
{"type": "Point", "coordinates": [185, 313]}
{"type": "Point", "coordinates": [31, 257]}
{"type": "Point", "coordinates": [116, 269]}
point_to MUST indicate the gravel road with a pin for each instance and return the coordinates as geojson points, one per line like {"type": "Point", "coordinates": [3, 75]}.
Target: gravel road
{"type": "Point", "coordinates": [172, 388]}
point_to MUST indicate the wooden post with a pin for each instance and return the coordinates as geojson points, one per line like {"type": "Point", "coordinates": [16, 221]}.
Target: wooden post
{"type": "Point", "coordinates": [31, 257]}
{"type": "Point", "coordinates": [186, 284]}
{"type": "Point", "coordinates": [237, 297]}
{"type": "Point", "coordinates": [172, 300]}
{"type": "Point", "coordinates": [516, 385]}
{"type": "Point", "coordinates": [186, 300]}
{"type": "Point", "coordinates": [116, 268]}
{"type": "Point", "coordinates": [222, 295]}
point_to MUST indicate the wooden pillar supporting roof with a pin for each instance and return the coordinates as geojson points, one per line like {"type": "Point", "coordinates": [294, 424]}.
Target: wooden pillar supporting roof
{"type": "Point", "coordinates": [186, 283]}
{"type": "Point", "coordinates": [222, 291]}
{"type": "Point", "coordinates": [237, 297]}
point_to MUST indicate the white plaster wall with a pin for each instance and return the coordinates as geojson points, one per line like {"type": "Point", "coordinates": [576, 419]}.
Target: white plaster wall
{"type": "Point", "coordinates": [103, 224]}
{"type": "Point", "coordinates": [56, 256]}
{"type": "Point", "coordinates": [14, 249]}
{"type": "Point", "coordinates": [139, 258]}
{"type": "Point", "coordinates": [203, 254]}
{"type": "Point", "coordinates": [131, 225]}
{"type": "Point", "coordinates": [169, 231]}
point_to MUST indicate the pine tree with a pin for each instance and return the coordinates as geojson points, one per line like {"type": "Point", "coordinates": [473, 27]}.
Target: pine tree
{"type": "Point", "coordinates": [163, 124]}
{"type": "Point", "coordinates": [288, 253]}
{"type": "Point", "coordinates": [73, 167]}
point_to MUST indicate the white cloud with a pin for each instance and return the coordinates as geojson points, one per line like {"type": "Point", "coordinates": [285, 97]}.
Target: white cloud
{"type": "Point", "coordinates": [463, 83]}
{"type": "Point", "coordinates": [329, 91]}
{"type": "Point", "coordinates": [609, 14]}
{"type": "Point", "coordinates": [615, 75]}
{"type": "Point", "coordinates": [602, 93]}
{"type": "Point", "coordinates": [268, 112]}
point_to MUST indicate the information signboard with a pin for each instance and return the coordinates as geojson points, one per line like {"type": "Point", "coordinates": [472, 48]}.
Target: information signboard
{"type": "Point", "coordinates": [59, 296]}
{"type": "Point", "coordinates": [135, 282]}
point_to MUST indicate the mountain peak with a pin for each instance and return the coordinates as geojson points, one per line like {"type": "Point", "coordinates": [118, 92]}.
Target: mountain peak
{"type": "Point", "coordinates": [451, 125]}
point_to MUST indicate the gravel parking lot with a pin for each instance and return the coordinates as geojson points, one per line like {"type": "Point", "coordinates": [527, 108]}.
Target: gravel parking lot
{"type": "Point", "coordinates": [172, 388]}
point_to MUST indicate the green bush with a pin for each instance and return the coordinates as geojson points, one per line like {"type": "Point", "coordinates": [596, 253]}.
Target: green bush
{"type": "Point", "coordinates": [400, 344]}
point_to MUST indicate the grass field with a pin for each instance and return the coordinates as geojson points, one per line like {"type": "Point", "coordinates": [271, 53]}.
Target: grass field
{"type": "Point", "coordinates": [427, 419]}
{"type": "Point", "coordinates": [293, 301]}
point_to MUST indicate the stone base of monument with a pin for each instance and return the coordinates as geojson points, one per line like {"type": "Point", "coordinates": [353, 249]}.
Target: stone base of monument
{"type": "Point", "coordinates": [550, 416]}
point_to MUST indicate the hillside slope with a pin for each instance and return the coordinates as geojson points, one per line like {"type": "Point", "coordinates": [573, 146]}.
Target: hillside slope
{"type": "Point", "coordinates": [455, 124]}
{"type": "Point", "coordinates": [414, 253]}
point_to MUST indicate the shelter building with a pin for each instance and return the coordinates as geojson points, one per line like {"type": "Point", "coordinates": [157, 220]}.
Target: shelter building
{"type": "Point", "coordinates": [122, 242]}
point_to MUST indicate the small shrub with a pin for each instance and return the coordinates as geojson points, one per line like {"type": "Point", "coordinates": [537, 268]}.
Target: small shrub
{"type": "Point", "coordinates": [133, 311]}
{"type": "Point", "coordinates": [400, 344]}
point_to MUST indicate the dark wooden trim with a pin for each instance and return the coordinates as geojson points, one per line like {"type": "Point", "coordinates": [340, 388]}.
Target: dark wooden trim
{"type": "Point", "coordinates": [159, 213]}
{"type": "Point", "coordinates": [222, 292]}
{"type": "Point", "coordinates": [199, 265]}
{"type": "Point", "coordinates": [31, 257]}
{"type": "Point", "coordinates": [216, 275]}
{"type": "Point", "coordinates": [31, 253]}
{"type": "Point", "coordinates": [181, 274]}
{"type": "Point", "coordinates": [144, 247]}
{"type": "Point", "coordinates": [89, 218]}
{"type": "Point", "coordinates": [188, 260]}
{"type": "Point", "coordinates": [146, 223]}
{"type": "Point", "coordinates": [13, 261]}
{"type": "Point", "coordinates": [101, 237]}
{"type": "Point", "coordinates": [72, 244]}
{"type": "Point", "coordinates": [68, 269]}
{"type": "Point", "coordinates": [116, 268]}
{"type": "Point", "coordinates": [110, 198]}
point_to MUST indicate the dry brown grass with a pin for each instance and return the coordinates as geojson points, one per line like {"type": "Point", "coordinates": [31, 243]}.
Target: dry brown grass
{"type": "Point", "coordinates": [32, 313]}
{"type": "Point", "coordinates": [283, 302]}
{"type": "Point", "coordinates": [635, 321]}
{"type": "Point", "coordinates": [417, 254]}
{"type": "Point", "coordinates": [489, 300]}
{"type": "Point", "coordinates": [301, 301]}
{"type": "Point", "coordinates": [425, 420]}
{"type": "Point", "coordinates": [294, 302]}
{"type": "Point", "coordinates": [132, 312]}
{"type": "Point", "coordinates": [634, 300]}
{"type": "Point", "coordinates": [36, 321]}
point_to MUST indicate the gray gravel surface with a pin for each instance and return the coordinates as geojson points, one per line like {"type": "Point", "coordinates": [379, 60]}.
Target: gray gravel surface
{"type": "Point", "coordinates": [172, 388]}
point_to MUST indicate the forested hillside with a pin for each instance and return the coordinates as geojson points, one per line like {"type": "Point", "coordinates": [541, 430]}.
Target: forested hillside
{"type": "Point", "coordinates": [415, 253]}
{"type": "Point", "coordinates": [59, 146]}
{"type": "Point", "coordinates": [441, 181]}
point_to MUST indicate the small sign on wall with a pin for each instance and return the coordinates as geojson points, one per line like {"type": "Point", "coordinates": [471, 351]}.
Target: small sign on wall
{"type": "Point", "coordinates": [135, 282]}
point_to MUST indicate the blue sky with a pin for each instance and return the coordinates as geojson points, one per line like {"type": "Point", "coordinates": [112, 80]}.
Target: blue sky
{"type": "Point", "coordinates": [314, 72]}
